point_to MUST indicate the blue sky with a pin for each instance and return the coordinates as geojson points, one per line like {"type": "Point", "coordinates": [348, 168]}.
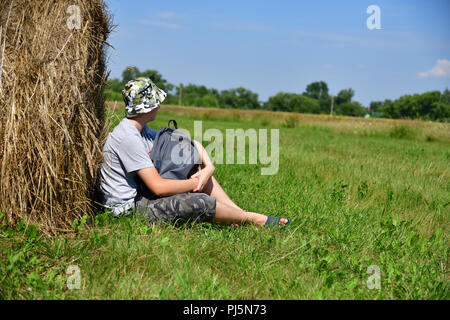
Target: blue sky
{"type": "Point", "coordinates": [273, 46]}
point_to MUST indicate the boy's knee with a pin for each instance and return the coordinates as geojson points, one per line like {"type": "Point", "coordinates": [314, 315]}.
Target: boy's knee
{"type": "Point", "coordinates": [199, 207]}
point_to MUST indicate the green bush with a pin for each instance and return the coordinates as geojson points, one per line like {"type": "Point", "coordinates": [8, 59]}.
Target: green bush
{"type": "Point", "coordinates": [403, 132]}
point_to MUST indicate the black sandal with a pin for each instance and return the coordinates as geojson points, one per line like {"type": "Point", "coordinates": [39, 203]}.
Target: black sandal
{"type": "Point", "coordinates": [272, 222]}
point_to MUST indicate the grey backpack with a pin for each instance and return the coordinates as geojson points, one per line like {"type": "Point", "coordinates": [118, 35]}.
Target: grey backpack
{"type": "Point", "coordinates": [174, 153]}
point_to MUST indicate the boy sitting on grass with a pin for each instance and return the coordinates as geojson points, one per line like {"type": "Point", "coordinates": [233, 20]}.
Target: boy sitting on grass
{"type": "Point", "coordinates": [127, 162]}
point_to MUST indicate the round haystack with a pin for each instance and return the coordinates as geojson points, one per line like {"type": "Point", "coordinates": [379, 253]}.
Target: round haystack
{"type": "Point", "coordinates": [52, 128]}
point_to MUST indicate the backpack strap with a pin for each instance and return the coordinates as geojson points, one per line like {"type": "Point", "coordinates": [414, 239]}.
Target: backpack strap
{"type": "Point", "coordinates": [174, 124]}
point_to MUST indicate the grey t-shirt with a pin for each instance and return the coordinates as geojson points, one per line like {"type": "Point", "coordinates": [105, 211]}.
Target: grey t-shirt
{"type": "Point", "coordinates": [126, 150]}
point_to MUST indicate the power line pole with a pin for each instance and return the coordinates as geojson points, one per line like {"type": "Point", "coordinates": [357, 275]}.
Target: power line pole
{"type": "Point", "coordinates": [331, 109]}
{"type": "Point", "coordinates": [180, 93]}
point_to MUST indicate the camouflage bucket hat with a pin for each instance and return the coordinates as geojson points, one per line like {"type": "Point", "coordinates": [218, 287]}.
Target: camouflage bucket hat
{"type": "Point", "coordinates": [141, 96]}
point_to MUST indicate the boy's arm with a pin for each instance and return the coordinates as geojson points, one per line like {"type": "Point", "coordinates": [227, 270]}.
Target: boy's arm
{"type": "Point", "coordinates": [165, 187]}
{"type": "Point", "coordinates": [207, 166]}
{"type": "Point", "coordinates": [206, 161]}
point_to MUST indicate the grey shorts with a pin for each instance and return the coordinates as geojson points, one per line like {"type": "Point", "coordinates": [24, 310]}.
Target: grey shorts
{"type": "Point", "coordinates": [179, 208]}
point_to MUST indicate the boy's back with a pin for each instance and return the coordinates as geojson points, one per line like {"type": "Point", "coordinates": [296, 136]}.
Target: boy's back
{"type": "Point", "coordinates": [126, 150]}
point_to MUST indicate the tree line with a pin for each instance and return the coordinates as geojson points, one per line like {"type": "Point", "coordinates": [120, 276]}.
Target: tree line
{"type": "Point", "coordinates": [315, 99]}
{"type": "Point", "coordinates": [432, 105]}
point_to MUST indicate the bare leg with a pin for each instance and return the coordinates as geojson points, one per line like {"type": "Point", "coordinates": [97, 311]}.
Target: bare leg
{"type": "Point", "coordinates": [213, 188]}
{"type": "Point", "coordinates": [226, 214]}
{"type": "Point", "coordinates": [227, 210]}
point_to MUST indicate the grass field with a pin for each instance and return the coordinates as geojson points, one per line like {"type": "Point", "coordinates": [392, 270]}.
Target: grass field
{"type": "Point", "coordinates": [359, 192]}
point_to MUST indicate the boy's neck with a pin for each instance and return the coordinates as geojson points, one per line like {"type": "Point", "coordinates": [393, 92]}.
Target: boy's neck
{"type": "Point", "coordinates": [139, 122]}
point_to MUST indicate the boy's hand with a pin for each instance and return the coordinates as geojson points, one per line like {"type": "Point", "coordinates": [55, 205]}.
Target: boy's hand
{"type": "Point", "coordinates": [203, 176]}
{"type": "Point", "coordinates": [195, 181]}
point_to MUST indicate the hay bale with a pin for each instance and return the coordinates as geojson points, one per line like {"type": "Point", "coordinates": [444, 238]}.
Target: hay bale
{"type": "Point", "coordinates": [52, 110]}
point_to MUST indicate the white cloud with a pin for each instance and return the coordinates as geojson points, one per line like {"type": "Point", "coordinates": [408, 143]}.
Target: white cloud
{"type": "Point", "coordinates": [163, 19]}
{"type": "Point", "coordinates": [161, 24]}
{"type": "Point", "coordinates": [246, 27]}
{"type": "Point", "coordinates": [167, 15]}
{"type": "Point", "coordinates": [440, 70]}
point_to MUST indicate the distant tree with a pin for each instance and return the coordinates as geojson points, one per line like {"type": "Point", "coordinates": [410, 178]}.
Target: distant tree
{"type": "Point", "coordinates": [375, 106]}
{"type": "Point", "coordinates": [345, 95]}
{"type": "Point", "coordinates": [239, 98]}
{"type": "Point", "coordinates": [130, 73]}
{"type": "Point", "coordinates": [194, 95]}
{"type": "Point", "coordinates": [113, 90]}
{"type": "Point", "coordinates": [319, 90]}
{"type": "Point", "coordinates": [425, 103]}
{"type": "Point", "coordinates": [445, 97]}
{"type": "Point", "coordinates": [351, 108]}
{"type": "Point", "coordinates": [430, 105]}
{"type": "Point", "coordinates": [115, 85]}
{"type": "Point", "coordinates": [387, 109]}
{"type": "Point", "coordinates": [210, 100]}
{"type": "Point", "coordinates": [158, 79]}
{"type": "Point", "coordinates": [292, 102]}
{"type": "Point", "coordinates": [440, 110]}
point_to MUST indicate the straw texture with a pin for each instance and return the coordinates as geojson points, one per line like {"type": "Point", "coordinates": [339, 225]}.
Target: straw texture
{"type": "Point", "coordinates": [52, 110]}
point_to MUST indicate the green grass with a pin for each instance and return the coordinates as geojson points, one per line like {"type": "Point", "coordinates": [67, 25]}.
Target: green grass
{"type": "Point", "coordinates": [355, 198]}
